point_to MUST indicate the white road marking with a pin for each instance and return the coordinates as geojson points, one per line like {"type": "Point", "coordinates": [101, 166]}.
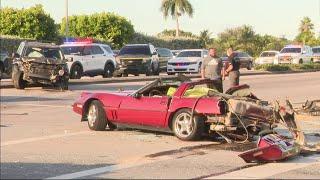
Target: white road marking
{"type": "Point", "coordinates": [270, 169]}
{"type": "Point", "coordinates": [41, 105]}
{"type": "Point", "coordinates": [106, 169]}
{"type": "Point", "coordinates": [27, 140]}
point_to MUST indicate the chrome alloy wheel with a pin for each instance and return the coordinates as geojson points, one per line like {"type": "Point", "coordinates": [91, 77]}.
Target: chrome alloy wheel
{"type": "Point", "coordinates": [92, 115]}
{"type": "Point", "coordinates": [184, 125]}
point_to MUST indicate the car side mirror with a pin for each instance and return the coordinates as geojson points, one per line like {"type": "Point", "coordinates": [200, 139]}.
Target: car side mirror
{"type": "Point", "coordinates": [69, 59]}
{"type": "Point", "coordinates": [15, 55]}
{"type": "Point", "coordinates": [137, 95]}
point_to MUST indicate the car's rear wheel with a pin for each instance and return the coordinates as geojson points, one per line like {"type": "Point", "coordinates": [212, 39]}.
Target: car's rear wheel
{"type": "Point", "coordinates": [76, 72]}
{"type": "Point", "coordinates": [17, 78]}
{"type": "Point", "coordinates": [96, 116]}
{"type": "Point", "coordinates": [1, 71]}
{"type": "Point", "coordinates": [108, 70]}
{"type": "Point", "coordinates": [311, 60]}
{"type": "Point", "coordinates": [300, 61]}
{"type": "Point", "coordinates": [185, 128]}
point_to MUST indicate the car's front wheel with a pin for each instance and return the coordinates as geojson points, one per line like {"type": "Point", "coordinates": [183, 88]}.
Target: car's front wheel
{"type": "Point", "coordinates": [185, 128]}
{"type": "Point", "coordinates": [17, 78]}
{"type": "Point", "coordinates": [76, 72]}
{"type": "Point", "coordinates": [108, 70]}
{"type": "Point", "coordinates": [249, 67]}
{"type": "Point", "coordinates": [96, 116]}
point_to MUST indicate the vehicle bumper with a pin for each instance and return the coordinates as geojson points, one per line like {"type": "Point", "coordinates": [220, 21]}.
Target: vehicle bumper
{"type": "Point", "coordinates": [194, 68]}
{"type": "Point", "coordinates": [121, 69]}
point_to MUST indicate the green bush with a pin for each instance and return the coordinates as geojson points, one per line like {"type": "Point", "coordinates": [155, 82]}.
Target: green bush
{"type": "Point", "coordinates": [287, 67]}
{"type": "Point", "coordinates": [31, 23]}
{"type": "Point", "coordinates": [105, 27]}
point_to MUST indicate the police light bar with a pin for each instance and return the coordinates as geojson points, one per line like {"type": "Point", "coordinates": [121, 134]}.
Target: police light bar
{"type": "Point", "coordinates": [87, 40]}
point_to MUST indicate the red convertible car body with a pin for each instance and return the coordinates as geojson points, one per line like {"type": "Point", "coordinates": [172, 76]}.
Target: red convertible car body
{"type": "Point", "coordinates": [185, 112]}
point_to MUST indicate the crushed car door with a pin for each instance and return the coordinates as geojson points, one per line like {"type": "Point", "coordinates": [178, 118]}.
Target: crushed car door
{"type": "Point", "coordinates": [149, 111]}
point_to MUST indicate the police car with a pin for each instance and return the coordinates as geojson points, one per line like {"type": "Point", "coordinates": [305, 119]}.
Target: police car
{"type": "Point", "coordinates": [89, 58]}
{"type": "Point", "coordinates": [294, 54]}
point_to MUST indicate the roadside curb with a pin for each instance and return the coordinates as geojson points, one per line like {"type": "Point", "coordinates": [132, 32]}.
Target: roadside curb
{"type": "Point", "coordinates": [4, 84]}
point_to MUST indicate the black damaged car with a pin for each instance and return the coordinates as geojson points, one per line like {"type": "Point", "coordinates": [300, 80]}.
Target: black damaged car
{"type": "Point", "coordinates": [39, 63]}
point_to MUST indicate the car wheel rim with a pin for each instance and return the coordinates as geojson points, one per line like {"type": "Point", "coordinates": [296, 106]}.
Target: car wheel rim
{"type": "Point", "coordinates": [184, 125]}
{"type": "Point", "coordinates": [92, 115]}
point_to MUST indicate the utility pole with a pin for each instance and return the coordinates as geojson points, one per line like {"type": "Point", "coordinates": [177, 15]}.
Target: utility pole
{"type": "Point", "coordinates": [67, 20]}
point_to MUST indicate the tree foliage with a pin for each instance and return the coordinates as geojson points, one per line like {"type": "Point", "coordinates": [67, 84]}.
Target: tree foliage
{"type": "Point", "coordinates": [205, 38]}
{"type": "Point", "coordinates": [172, 32]}
{"type": "Point", "coordinates": [28, 23]}
{"type": "Point", "coordinates": [106, 27]}
{"type": "Point", "coordinates": [176, 8]}
{"type": "Point", "coordinates": [306, 32]}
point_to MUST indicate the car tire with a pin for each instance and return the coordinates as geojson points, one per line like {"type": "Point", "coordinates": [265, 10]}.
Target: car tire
{"type": "Point", "coordinates": [249, 66]}
{"type": "Point", "coordinates": [300, 61]}
{"type": "Point", "coordinates": [17, 78]}
{"type": "Point", "coordinates": [150, 70]}
{"type": "Point", "coordinates": [108, 70]}
{"type": "Point", "coordinates": [184, 131]}
{"type": "Point", "coordinates": [96, 116]}
{"type": "Point", "coordinates": [170, 73]}
{"type": "Point", "coordinates": [76, 72]}
{"type": "Point", "coordinates": [311, 61]}
{"type": "Point", "coordinates": [156, 72]}
{"type": "Point", "coordinates": [1, 71]}
{"type": "Point", "coordinates": [63, 84]}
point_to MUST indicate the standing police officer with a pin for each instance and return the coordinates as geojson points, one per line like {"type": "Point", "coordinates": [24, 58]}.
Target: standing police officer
{"type": "Point", "coordinates": [233, 69]}
{"type": "Point", "coordinates": [211, 68]}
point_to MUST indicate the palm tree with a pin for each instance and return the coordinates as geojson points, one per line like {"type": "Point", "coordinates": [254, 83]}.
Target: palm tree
{"type": "Point", "coordinates": [306, 25]}
{"type": "Point", "coordinates": [176, 8]}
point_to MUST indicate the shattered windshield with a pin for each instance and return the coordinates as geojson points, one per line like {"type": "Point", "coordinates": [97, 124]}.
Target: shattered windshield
{"type": "Point", "coordinates": [36, 52]}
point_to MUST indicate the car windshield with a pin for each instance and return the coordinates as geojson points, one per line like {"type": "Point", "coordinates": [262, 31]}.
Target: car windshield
{"type": "Point", "coordinates": [268, 54]}
{"type": "Point", "coordinates": [43, 52]}
{"type": "Point", "coordinates": [189, 54]}
{"type": "Point", "coordinates": [316, 50]}
{"type": "Point", "coordinates": [291, 50]}
{"type": "Point", "coordinates": [70, 50]}
{"type": "Point", "coordinates": [132, 50]}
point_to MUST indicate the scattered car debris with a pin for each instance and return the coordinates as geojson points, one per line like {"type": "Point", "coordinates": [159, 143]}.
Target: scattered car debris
{"type": "Point", "coordinates": [310, 108]}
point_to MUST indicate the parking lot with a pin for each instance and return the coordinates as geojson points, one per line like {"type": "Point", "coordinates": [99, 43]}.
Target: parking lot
{"type": "Point", "coordinates": [41, 137]}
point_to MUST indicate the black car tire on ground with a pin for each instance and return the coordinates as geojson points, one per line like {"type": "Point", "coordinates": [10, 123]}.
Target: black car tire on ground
{"type": "Point", "coordinates": [76, 72]}
{"type": "Point", "coordinates": [63, 83]}
{"type": "Point", "coordinates": [99, 123]}
{"type": "Point", "coordinates": [1, 71]}
{"type": "Point", "coordinates": [108, 70]}
{"type": "Point", "coordinates": [156, 72]}
{"type": "Point", "coordinates": [17, 78]}
{"type": "Point", "coordinates": [150, 70]}
{"type": "Point", "coordinates": [250, 66]}
{"type": "Point", "coordinates": [197, 125]}
{"type": "Point", "coordinates": [300, 61]}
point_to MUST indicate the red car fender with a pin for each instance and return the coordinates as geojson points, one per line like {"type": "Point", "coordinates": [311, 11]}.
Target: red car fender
{"type": "Point", "coordinates": [205, 105]}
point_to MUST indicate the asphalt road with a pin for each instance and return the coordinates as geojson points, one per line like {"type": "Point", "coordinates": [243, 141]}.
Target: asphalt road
{"type": "Point", "coordinates": [42, 138]}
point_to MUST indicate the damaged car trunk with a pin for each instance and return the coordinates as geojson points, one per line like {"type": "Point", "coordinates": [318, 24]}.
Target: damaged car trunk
{"type": "Point", "coordinates": [39, 63]}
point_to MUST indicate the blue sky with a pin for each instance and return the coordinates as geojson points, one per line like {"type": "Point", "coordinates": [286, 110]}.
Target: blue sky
{"type": "Point", "coordinates": [275, 17]}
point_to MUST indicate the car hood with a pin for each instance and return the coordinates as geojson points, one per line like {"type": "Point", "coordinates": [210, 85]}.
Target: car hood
{"type": "Point", "coordinates": [44, 61]}
{"type": "Point", "coordinates": [185, 59]}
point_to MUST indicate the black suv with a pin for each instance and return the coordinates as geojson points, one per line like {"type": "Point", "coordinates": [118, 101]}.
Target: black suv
{"type": "Point", "coordinates": [137, 59]}
{"type": "Point", "coordinates": [39, 63]}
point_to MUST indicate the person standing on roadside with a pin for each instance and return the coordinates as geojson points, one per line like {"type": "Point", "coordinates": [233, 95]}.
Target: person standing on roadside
{"type": "Point", "coordinates": [232, 70]}
{"type": "Point", "coordinates": [211, 68]}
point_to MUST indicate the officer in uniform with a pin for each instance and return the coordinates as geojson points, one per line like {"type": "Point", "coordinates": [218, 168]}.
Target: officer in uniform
{"type": "Point", "coordinates": [211, 68]}
{"type": "Point", "coordinates": [233, 68]}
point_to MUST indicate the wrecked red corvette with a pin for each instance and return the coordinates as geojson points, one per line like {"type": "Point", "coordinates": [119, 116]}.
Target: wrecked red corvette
{"type": "Point", "coordinates": [188, 109]}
